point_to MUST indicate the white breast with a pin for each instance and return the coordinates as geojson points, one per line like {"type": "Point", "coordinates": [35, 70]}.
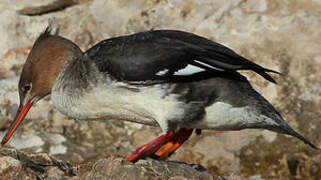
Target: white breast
{"type": "Point", "coordinates": [117, 100]}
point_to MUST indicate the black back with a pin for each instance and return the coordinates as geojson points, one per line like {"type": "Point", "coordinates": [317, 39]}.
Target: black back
{"type": "Point", "coordinates": [139, 57]}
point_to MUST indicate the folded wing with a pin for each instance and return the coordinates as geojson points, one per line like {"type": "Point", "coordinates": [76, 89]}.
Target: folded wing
{"type": "Point", "coordinates": [163, 54]}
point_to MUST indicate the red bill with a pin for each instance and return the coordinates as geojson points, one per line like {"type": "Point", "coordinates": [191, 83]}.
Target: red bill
{"type": "Point", "coordinates": [21, 114]}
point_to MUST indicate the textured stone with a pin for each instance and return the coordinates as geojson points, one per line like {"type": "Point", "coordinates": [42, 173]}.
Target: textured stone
{"type": "Point", "coordinates": [44, 166]}
{"type": "Point", "coordinates": [9, 167]}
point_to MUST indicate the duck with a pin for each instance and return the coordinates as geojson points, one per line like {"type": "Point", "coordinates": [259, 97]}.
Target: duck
{"type": "Point", "coordinates": [175, 80]}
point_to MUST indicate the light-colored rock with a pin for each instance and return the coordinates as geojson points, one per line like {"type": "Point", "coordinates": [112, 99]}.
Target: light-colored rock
{"type": "Point", "coordinates": [256, 5]}
{"type": "Point", "coordinates": [269, 136]}
{"type": "Point", "coordinates": [26, 142]}
{"type": "Point", "coordinates": [8, 99]}
{"type": "Point", "coordinates": [8, 20]}
{"type": "Point", "coordinates": [20, 4]}
{"type": "Point", "coordinates": [9, 167]}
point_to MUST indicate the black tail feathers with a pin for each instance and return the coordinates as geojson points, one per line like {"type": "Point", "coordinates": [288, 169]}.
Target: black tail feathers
{"type": "Point", "coordinates": [264, 74]}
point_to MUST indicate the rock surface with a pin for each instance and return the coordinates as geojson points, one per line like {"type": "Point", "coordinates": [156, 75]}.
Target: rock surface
{"type": "Point", "coordinates": [16, 164]}
{"type": "Point", "coordinates": [282, 35]}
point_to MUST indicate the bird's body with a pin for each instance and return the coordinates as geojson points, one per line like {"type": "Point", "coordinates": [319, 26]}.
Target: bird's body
{"type": "Point", "coordinates": [207, 99]}
{"type": "Point", "coordinates": [172, 79]}
{"type": "Point", "coordinates": [216, 103]}
{"type": "Point", "coordinates": [139, 78]}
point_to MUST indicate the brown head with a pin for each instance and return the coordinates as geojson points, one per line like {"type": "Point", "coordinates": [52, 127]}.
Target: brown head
{"type": "Point", "coordinates": [46, 59]}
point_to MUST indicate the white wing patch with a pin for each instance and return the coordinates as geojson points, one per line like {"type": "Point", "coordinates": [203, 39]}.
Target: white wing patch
{"type": "Point", "coordinates": [209, 66]}
{"type": "Point", "coordinates": [191, 69]}
{"type": "Point", "coordinates": [162, 72]}
{"type": "Point", "coordinates": [188, 70]}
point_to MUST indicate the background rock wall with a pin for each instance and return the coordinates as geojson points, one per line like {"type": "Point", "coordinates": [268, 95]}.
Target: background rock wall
{"type": "Point", "coordinates": [283, 35]}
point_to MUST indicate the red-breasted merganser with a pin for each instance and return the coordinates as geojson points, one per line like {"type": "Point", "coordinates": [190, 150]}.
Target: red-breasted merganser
{"type": "Point", "coordinates": [172, 79]}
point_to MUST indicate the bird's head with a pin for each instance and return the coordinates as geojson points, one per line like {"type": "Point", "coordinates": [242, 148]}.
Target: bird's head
{"type": "Point", "coordinates": [45, 61]}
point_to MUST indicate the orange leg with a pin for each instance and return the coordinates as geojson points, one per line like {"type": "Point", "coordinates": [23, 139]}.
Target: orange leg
{"type": "Point", "coordinates": [170, 147]}
{"type": "Point", "coordinates": [151, 147]}
{"type": "Point", "coordinates": [217, 132]}
{"type": "Point", "coordinates": [161, 147]}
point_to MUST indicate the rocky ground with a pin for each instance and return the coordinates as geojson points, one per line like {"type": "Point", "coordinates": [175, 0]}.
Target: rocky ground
{"type": "Point", "coordinates": [282, 35]}
{"type": "Point", "coordinates": [16, 164]}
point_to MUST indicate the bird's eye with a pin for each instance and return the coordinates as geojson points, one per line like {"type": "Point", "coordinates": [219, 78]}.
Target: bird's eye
{"type": "Point", "coordinates": [27, 87]}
